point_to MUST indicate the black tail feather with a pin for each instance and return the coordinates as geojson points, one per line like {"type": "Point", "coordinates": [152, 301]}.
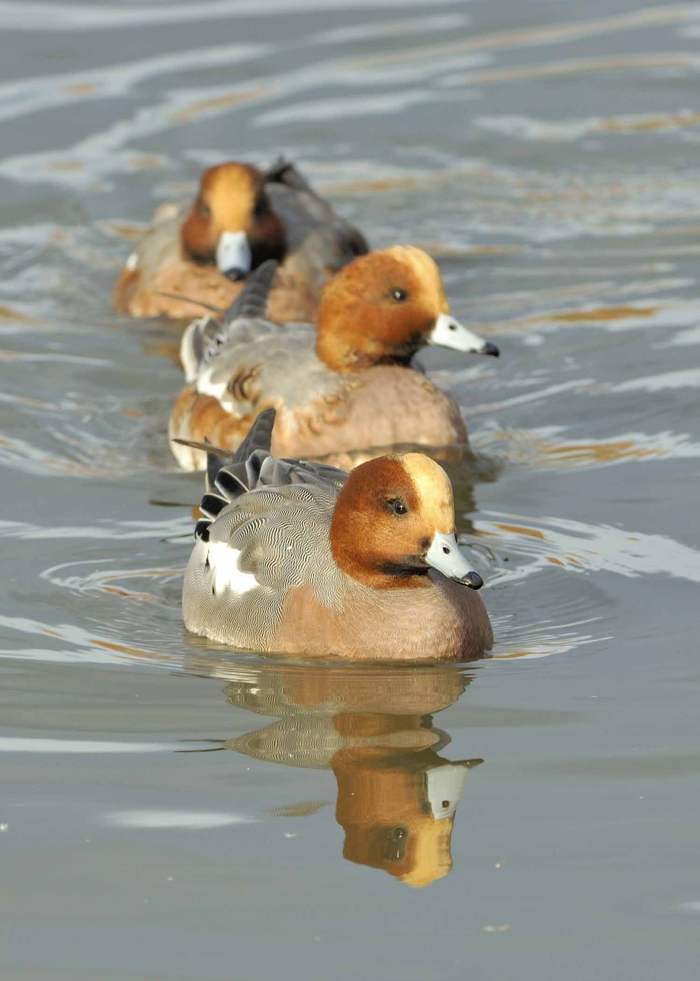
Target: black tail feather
{"type": "Point", "coordinates": [212, 504]}
{"type": "Point", "coordinates": [229, 484]}
{"type": "Point", "coordinates": [252, 302]}
{"type": "Point", "coordinates": [259, 436]}
{"type": "Point", "coordinates": [232, 474]}
{"type": "Point", "coordinates": [201, 529]}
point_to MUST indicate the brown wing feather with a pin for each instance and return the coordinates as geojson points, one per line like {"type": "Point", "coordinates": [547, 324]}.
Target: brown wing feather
{"type": "Point", "coordinates": [200, 417]}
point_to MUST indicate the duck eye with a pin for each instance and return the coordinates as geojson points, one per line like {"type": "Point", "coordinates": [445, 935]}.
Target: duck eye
{"type": "Point", "coordinates": [399, 295]}
{"type": "Point", "coordinates": [203, 208]}
{"type": "Point", "coordinates": [398, 507]}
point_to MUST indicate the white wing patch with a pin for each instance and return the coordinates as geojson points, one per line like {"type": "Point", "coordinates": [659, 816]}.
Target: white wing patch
{"type": "Point", "coordinates": [223, 561]}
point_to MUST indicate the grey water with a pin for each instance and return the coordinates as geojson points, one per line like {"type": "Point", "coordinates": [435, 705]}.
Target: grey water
{"type": "Point", "coordinates": [173, 811]}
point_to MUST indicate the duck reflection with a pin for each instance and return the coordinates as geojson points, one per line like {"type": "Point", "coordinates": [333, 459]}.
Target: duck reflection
{"type": "Point", "coordinates": [373, 727]}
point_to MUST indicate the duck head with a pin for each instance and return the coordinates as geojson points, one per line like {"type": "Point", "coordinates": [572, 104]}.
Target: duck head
{"type": "Point", "coordinates": [232, 222]}
{"type": "Point", "coordinates": [394, 520]}
{"type": "Point", "coordinates": [384, 307]}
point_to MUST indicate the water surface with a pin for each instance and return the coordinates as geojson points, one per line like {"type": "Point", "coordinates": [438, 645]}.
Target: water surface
{"type": "Point", "coordinates": [173, 811]}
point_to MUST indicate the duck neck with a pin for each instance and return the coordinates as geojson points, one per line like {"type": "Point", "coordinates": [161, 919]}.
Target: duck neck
{"type": "Point", "coordinates": [268, 240]}
{"type": "Point", "coordinates": [370, 568]}
{"type": "Point", "coordinates": [345, 350]}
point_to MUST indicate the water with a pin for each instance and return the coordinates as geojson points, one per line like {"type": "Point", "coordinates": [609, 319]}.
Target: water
{"type": "Point", "coordinates": [170, 811]}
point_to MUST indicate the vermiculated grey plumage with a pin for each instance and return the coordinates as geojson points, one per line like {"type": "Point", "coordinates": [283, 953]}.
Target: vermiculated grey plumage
{"type": "Point", "coordinates": [265, 508]}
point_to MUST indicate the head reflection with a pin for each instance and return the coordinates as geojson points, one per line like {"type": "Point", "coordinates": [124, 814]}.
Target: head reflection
{"type": "Point", "coordinates": [373, 727]}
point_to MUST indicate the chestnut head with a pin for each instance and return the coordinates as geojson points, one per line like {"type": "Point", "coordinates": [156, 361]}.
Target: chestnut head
{"type": "Point", "coordinates": [232, 222]}
{"type": "Point", "coordinates": [394, 521]}
{"type": "Point", "coordinates": [383, 307]}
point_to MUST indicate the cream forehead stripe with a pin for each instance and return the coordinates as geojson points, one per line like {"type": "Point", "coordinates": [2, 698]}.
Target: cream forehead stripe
{"type": "Point", "coordinates": [231, 197]}
{"type": "Point", "coordinates": [434, 490]}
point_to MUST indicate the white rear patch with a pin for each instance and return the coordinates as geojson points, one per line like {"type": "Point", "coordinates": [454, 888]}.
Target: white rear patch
{"type": "Point", "coordinates": [224, 567]}
{"type": "Point", "coordinates": [206, 385]}
{"type": "Point", "coordinates": [187, 358]}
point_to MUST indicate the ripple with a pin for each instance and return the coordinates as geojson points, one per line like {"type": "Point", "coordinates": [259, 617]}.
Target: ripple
{"type": "Point", "coordinates": [543, 34]}
{"type": "Point", "coordinates": [578, 66]}
{"type": "Point", "coordinates": [20, 16]}
{"type": "Point", "coordinates": [545, 448]}
{"type": "Point", "coordinates": [70, 643]}
{"type": "Point", "coordinates": [23, 98]}
{"type": "Point", "coordinates": [531, 129]}
{"type": "Point", "coordinates": [665, 381]}
{"type": "Point", "coordinates": [580, 547]}
{"type": "Point", "coordinates": [164, 820]}
{"type": "Point", "coordinates": [402, 28]}
{"type": "Point", "coordinates": [28, 744]}
{"type": "Point", "coordinates": [114, 582]}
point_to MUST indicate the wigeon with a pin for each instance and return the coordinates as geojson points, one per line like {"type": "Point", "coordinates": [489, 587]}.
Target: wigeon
{"type": "Point", "coordinates": [343, 386]}
{"type": "Point", "coordinates": [302, 558]}
{"type": "Point", "coordinates": [240, 217]}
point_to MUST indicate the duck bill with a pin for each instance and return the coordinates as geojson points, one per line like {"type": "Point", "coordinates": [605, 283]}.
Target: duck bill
{"type": "Point", "coordinates": [445, 556]}
{"type": "Point", "coordinates": [233, 255]}
{"type": "Point", "coordinates": [448, 332]}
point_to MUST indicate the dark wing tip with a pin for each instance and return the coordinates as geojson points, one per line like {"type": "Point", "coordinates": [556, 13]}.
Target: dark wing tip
{"type": "Point", "coordinates": [283, 171]}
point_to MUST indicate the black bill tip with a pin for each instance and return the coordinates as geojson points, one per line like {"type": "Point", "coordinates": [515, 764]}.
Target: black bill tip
{"type": "Point", "coordinates": [235, 275]}
{"type": "Point", "coordinates": [491, 349]}
{"type": "Point", "coordinates": [473, 580]}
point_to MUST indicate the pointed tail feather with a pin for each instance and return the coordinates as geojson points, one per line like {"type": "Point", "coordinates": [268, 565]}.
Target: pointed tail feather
{"type": "Point", "coordinates": [259, 436]}
{"type": "Point", "coordinates": [283, 171]}
{"type": "Point", "coordinates": [252, 302]}
{"type": "Point", "coordinates": [229, 474]}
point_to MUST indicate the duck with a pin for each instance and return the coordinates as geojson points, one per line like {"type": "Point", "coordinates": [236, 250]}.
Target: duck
{"type": "Point", "coordinates": [297, 557]}
{"type": "Point", "coordinates": [341, 387]}
{"type": "Point", "coordinates": [199, 255]}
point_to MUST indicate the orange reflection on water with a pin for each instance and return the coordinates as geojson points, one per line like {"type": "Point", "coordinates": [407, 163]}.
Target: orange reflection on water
{"type": "Point", "coordinates": [131, 651]}
{"type": "Point", "coordinates": [220, 102]}
{"type": "Point", "coordinates": [372, 727]}
{"type": "Point", "coordinates": [602, 313]}
{"type": "Point", "coordinates": [518, 530]}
